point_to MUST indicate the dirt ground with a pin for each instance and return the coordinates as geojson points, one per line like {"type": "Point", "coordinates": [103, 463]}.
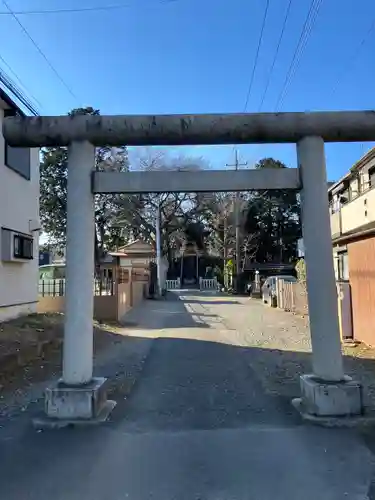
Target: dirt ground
{"type": "Point", "coordinates": [31, 352]}
{"type": "Point", "coordinates": [31, 349]}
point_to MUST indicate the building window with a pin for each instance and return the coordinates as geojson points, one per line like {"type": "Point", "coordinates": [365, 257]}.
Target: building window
{"type": "Point", "coordinates": [22, 247]}
{"type": "Point", "coordinates": [343, 267]}
{"type": "Point", "coordinates": [18, 159]}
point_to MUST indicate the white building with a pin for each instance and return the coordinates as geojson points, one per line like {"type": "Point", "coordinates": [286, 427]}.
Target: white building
{"type": "Point", "coordinates": [19, 215]}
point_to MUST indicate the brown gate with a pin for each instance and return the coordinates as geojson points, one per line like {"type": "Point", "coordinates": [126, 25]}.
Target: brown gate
{"type": "Point", "coordinates": [362, 279]}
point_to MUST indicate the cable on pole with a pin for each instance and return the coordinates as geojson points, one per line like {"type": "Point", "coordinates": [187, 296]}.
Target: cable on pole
{"type": "Point", "coordinates": [22, 89]}
{"type": "Point", "coordinates": [307, 27]}
{"type": "Point", "coordinates": [257, 54]}
{"type": "Point", "coordinates": [73, 10]}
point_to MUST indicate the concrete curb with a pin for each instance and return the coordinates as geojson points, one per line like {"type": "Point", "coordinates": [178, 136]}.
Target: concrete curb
{"type": "Point", "coordinates": [357, 422]}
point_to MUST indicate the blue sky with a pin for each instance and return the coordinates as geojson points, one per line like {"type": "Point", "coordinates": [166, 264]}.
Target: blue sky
{"type": "Point", "coordinates": [196, 56]}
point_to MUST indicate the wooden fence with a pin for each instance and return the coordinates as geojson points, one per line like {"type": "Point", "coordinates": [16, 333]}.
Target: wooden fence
{"type": "Point", "coordinates": [292, 297]}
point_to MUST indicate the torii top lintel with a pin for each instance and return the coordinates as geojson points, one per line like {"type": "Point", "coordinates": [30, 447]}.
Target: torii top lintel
{"type": "Point", "coordinates": [153, 130]}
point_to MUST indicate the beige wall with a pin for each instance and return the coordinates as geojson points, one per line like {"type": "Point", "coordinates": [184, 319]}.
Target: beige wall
{"type": "Point", "coordinates": [106, 307]}
{"type": "Point", "coordinates": [19, 203]}
{"type": "Point", "coordinates": [138, 287]}
{"type": "Point", "coordinates": [51, 305]}
{"type": "Point", "coordinates": [123, 299]}
{"type": "Point", "coordinates": [354, 214]}
{"type": "Point", "coordinates": [358, 212]}
{"type": "Point", "coordinates": [336, 224]}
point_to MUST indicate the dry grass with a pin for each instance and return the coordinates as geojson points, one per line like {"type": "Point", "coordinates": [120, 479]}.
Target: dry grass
{"type": "Point", "coordinates": [31, 348]}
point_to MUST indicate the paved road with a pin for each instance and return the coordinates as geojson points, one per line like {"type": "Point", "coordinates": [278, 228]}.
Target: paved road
{"type": "Point", "coordinates": [203, 422]}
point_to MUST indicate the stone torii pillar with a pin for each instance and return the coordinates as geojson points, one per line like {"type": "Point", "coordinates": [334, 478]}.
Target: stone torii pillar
{"type": "Point", "coordinates": [327, 392]}
{"type": "Point", "coordinates": [78, 397]}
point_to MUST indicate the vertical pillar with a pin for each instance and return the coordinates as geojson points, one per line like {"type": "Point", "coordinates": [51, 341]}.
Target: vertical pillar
{"type": "Point", "coordinates": [321, 284]}
{"type": "Point", "coordinates": [158, 252]}
{"type": "Point", "coordinates": [197, 266]}
{"type": "Point", "coordinates": [328, 392]}
{"type": "Point", "coordinates": [80, 233]}
{"type": "Point", "coordinates": [78, 398]}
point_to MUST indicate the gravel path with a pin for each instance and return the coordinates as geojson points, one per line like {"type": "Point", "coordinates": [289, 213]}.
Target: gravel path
{"type": "Point", "coordinates": [283, 347]}
{"type": "Point", "coordinates": [208, 417]}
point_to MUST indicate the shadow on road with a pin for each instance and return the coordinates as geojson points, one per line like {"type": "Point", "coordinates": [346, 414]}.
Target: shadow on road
{"type": "Point", "coordinates": [185, 384]}
{"type": "Point", "coordinates": [209, 302]}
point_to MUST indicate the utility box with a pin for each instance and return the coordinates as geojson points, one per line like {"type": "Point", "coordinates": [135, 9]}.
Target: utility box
{"type": "Point", "coordinates": [344, 299]}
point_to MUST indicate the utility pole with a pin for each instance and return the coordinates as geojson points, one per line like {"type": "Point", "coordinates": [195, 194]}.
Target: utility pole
{"type": "Point", "coordinates": [225, 250]}
{"type": "Point", "coordinates": [158, 252]}
{"type": "Point", "coordinates": [237, 220]}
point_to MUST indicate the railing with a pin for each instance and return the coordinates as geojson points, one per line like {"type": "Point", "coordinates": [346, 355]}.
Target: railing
{"type": "Point", "coordinates": [208, 283]}
{"type": "Point", "coordinates": [56, 287]}
{"type": "Point", "coordinates": [356, 212]}
{"type": "Point", "coordinates": [51, 288]}
{"type": "Point", "coordinates": [173, 284]}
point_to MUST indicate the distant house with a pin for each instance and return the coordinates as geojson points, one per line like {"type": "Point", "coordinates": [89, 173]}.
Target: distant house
{"type": "Point", "coordinates": [19, 222]}
{"type": "Point", "coordinates": [352, 212]}
{"type": "Point", "coordinates": [45, 257]}
{"type": "Point", "coordinates": [135, 254]}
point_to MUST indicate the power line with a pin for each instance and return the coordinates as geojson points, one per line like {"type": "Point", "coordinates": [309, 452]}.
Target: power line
{"type": "Point", "coordinates": [304, 36]}
{"type": "Point", "coordinates": [16, 92]}
{"type": "Point", "coordinates": [78, 9]}
{"type": "Point", "coordinates": [257, 54]}
{"type": "Point", "coordinates": [255, 63]}
{"type": "Point", "coordinates": [276, 54]}
{"type": "Point", "coordinates": [354, 55]}
{"type": "Point", "coordinates": [18, 80]}
{"type": "Point", "coordinates": [40, 50]}
{"type": "Point", "coordinates": [313, 20]}
{"type": "Point", "coordinates": [352, 60]}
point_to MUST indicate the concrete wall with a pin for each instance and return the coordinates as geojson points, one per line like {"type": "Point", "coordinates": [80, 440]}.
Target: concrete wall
{"type": "Point", "coordinates": [336, 224]}
{"type": "Point", "coordinates": [123, 299]}
{"type": "Point", "coordinates": [138, 292]}
{"type": "Point", "coordinates": [106, 307]}
{"type": "Point", "coordinates": [19, 203]}
{"type": "Point", "coordinates": [354, 214]}
{"type": "Point", "coordinates": [358, 212]}
{"type": "Point", "coordinates": [51, 304]}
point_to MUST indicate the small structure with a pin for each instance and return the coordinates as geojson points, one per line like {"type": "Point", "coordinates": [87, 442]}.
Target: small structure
{"type": "Point", "coordinates": [189, 264]}
{"type": "Point", "coordinates": [136, 256]}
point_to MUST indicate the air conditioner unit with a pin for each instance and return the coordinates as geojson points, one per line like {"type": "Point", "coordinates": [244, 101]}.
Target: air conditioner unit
{"type": "Point", "coordinates": [16, 246]}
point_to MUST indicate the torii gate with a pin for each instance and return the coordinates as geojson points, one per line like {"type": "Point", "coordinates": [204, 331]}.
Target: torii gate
{"type": "Point", "coordinates": [79, 397]}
